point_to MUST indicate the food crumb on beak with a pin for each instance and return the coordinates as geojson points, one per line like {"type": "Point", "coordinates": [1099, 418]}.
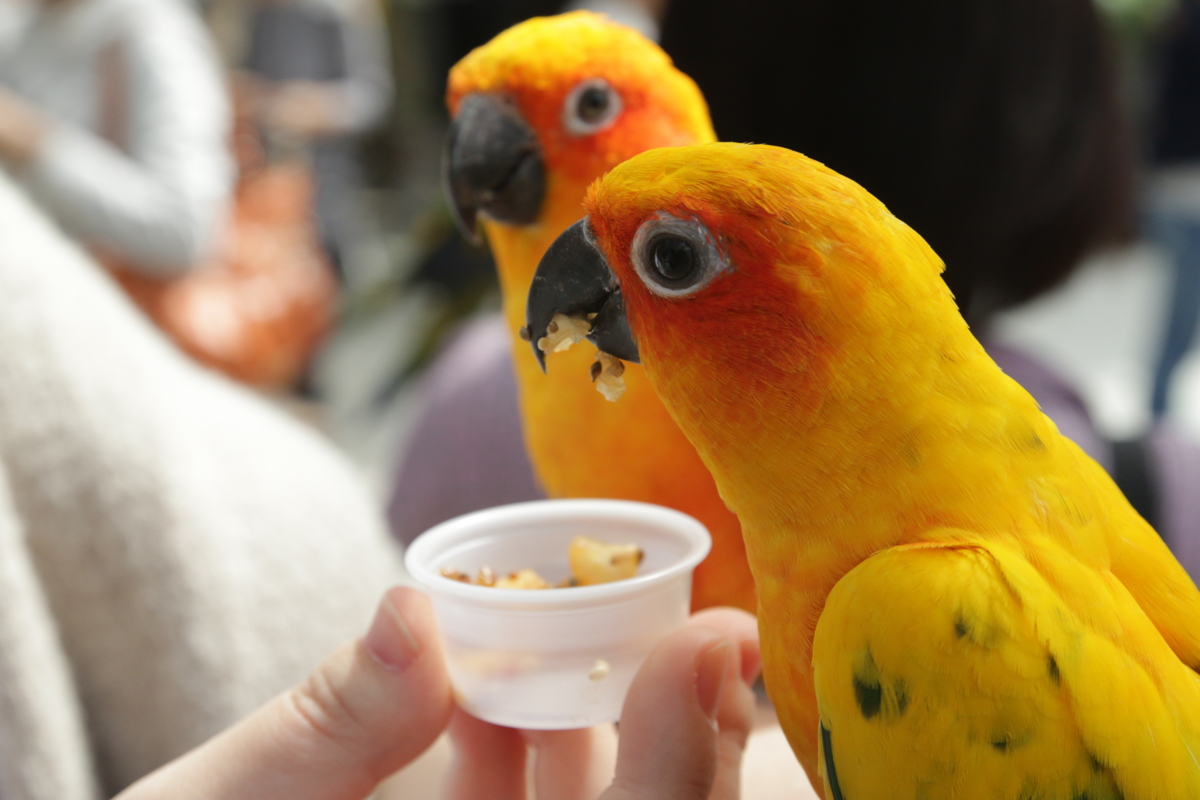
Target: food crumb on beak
{"type": "Point", "coordinates": [563, 332]}
{"type": "Point", "coordinates": [608, 374]}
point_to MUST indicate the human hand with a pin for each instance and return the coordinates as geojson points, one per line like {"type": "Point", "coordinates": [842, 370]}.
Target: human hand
{"type": "Point", "coordinates": [377, 703]}
{"type": "Point", "coordinates": [22, 128]}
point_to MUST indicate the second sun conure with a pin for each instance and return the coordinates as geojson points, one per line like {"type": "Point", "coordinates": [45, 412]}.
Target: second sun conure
{"type": "Point", "coordinates": [539, 113]}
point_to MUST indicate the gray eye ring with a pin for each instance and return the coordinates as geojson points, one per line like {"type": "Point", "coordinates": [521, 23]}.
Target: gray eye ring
{"type": "Point", "coordinates": [592, 106]}
{"type": "Point", "coordinates": [667, 235]}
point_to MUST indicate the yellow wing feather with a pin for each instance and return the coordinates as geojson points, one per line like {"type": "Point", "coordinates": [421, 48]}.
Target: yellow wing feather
{"type": "Point", "coordinates": [956, 671]}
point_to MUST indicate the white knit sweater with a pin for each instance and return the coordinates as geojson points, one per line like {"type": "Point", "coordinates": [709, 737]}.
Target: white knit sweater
{"type": "Point", "coordinates": [173, 551]}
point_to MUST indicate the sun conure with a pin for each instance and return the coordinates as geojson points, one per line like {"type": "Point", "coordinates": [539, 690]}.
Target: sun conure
{"type": "Point", "coordinates": [539, 113]}
{"type": "Point", "coordinates": [955, 601]}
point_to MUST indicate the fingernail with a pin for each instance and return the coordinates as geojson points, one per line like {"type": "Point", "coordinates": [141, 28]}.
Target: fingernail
{"type": "Point", "coordinates": [711, 668]}
{"type": "Point", "coordinates": [389, 641]}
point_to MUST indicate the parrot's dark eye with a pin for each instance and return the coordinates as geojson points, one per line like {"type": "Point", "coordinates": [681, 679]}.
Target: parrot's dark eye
{"type": "Point", "coordinates": [676, 257]}
{"type": "Point", "coordinates": [672, 258]}
{"type": "Point", "coordinates": [593, 102]}
{"type": "Point", "coordinates": [591, 107]}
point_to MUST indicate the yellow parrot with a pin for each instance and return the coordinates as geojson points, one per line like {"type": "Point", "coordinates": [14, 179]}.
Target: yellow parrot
{"type": "Point", "coordinates": [539, 113]}
{"type": "Point", "coordinates": [954, 600]}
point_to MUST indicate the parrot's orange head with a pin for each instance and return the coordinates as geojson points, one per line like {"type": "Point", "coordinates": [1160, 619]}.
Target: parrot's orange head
{"type": "Point", "coordinates": [732, 264]}
{"type": "Point", "coordinates": [552, 104]}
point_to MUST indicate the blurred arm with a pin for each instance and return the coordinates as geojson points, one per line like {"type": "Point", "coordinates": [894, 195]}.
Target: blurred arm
{"type": "Point", "coordinates": [160, 204]}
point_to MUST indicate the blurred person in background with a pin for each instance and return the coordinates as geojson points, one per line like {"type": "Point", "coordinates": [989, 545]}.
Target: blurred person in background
{"type": "Point", "coordinates": [1173, 213]}
{"type": "Point", "coordinates": [992, 127]}
{"type": "Point", "coordinates": [113, 115]}
{"type": "Point", "coordinates": [316, 74]}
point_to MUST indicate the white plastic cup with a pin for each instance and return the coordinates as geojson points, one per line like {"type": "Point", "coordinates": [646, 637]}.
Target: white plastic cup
{"type": "Point", "coordinates": [555, 659]}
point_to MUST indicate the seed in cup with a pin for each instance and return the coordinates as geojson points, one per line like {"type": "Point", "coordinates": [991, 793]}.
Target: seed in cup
{"type": "Point", "coordinates": [591, 560]}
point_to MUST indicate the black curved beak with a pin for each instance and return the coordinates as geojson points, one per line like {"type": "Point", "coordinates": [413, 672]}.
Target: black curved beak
{"type": "Point", "coordinates": [574, 279]}
{"type": "Point", "coordinates": [492, 163]}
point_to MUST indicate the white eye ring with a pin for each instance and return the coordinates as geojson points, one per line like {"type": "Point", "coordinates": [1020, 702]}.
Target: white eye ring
{"type": "Point", "coordinates": [592, 106]}
{"type": "Point", "coordinates": [665, 244]}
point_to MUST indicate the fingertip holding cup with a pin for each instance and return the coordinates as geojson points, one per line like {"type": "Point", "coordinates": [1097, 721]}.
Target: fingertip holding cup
{"type": "Point", "coordinates": [555, 659]}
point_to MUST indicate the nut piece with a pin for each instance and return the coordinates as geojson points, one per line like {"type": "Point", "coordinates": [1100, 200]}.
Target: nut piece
{"type": "Point", "coordinates": [599, 670]}
{"type": "Point", "coordinates": [608, 375]}
{"type": "Point", "coordinates": [562, 332]}
{"type": "Point", "coordinates": [595, 562]}
{"type": "Point", "coordinates": [524, 579]}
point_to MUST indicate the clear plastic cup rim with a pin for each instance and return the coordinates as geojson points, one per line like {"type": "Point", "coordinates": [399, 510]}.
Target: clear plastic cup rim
{"type": "Point", "coordinates": [435, 543]}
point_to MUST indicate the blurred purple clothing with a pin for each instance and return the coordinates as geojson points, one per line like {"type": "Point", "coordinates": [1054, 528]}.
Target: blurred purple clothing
{"type": "Point", "coordinates": [468, 452]}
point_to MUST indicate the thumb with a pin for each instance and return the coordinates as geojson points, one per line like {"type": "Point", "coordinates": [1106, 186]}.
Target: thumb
{"type": "Point", "coordinates": [369, 709]}
{"type": "Point", "coordinates": [670, 745]}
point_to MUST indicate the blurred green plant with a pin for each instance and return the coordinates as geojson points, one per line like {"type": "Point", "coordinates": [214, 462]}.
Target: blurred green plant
{"type": "Point", "coordinates": [1137, 18]}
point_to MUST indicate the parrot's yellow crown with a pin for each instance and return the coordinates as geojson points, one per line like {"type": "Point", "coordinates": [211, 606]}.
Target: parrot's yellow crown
{"type": "Point", "coordinates": [814, 264]}
{"type": "Point", "coordinates": [539, 63]}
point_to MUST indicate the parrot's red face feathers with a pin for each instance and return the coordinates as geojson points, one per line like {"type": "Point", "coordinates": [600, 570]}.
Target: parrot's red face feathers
{"type": "Point", "coordinates": [559, 100]}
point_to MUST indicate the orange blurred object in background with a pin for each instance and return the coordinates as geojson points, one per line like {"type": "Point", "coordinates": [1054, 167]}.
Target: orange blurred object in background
{"type": "Point", "coordinates": [260, 308]}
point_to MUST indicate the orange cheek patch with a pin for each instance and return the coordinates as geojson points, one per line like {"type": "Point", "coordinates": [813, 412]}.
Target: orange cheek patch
{"type": "Point", "coordinates": [751, 321]}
